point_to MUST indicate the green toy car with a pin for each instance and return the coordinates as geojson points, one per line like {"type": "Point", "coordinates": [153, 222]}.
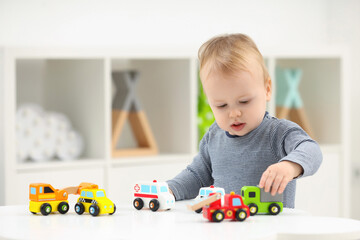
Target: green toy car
{"type": "Point", "coordinates": [260, 201]}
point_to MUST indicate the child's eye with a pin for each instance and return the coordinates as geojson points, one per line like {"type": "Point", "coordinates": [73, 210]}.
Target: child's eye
{"type": "Point", "coordinates": [243, 102]}
{"type": "Point", "coordinates": [222, 106]}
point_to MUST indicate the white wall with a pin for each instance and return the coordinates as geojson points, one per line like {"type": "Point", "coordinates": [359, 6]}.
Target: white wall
{"type": "Point", "coordinates": [187, 23]}
{"type": "Point", "coordinates": [344, 28]}
{"type": "Point", "coordinates": [159, 22]}
{"type": "Point", "coordinates": [2, 140]}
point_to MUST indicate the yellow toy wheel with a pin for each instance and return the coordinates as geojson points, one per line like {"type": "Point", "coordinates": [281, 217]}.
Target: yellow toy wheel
{"type": "Point", "coordinates": [241, 215]}
{"type": "Point", "coordinates": [218, 216]}
{"type": "Point", "coordinates": [253, 209]}
{"type": "Point", "coordinates": [274, 209]}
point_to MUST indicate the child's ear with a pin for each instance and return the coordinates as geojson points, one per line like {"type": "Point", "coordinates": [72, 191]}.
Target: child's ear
{"type": "Point", "coordinates": [268, 89]}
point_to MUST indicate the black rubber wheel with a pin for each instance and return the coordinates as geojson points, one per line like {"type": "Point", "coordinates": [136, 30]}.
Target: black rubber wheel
{"type": "Point", "coordinates": [241, 215]}
{"type": "Point", "coordinates": [198, 210]}
{"type": "Point", "coordinates": [45, 209]}
{"type": "Point", "coordinates": [63, 207]}
{"type": "Point", "coordinates": [154, 205]}
{"type": "Point", "coordinates": [218, 216]}
{"type": "Point", "coordinates": [79, 208]}
{"type": "Point", "coordinates": [94, 210]}
{"type": "Point", "coordinates": [138, 203]}
{"type": "Point", "coordinates": [253, 209]}
{"type": "Point", "coordinates": [114, 210]}
{"type": "Point", "coordinates": [274, 209]}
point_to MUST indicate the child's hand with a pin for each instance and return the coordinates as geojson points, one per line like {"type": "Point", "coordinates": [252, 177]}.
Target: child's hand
{"type": "Point", "coordinates": [278, 175]}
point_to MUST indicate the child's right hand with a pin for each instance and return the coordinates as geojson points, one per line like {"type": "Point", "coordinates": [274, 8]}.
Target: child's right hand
{"type": "Point", "coordinates": [278, 175]}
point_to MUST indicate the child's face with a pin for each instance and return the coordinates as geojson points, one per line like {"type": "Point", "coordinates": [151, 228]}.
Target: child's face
{"type": "Point", "coordinates": [238, 101]}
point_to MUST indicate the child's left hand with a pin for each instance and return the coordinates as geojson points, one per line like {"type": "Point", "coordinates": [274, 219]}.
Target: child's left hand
{"type": "Point", "coordinates": [278, 175]}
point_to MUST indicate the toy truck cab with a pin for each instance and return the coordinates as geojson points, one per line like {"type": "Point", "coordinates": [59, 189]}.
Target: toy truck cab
{"type": "Point", "coordinates": [95, 202]}
{"type": "Point", "coordinates": [204, 193]}
{"type": "Point", "coordinates": [260, 201]}
{"type": "Point", "coordinates": [154, 194]}
{"type": "Point", "coordinates": [46, 199]}
{"type": "Point", "coordinates": [233, 208]}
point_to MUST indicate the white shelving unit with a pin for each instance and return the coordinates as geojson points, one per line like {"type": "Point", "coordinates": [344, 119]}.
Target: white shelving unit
{"type": "Point", "coordinates": [77, 82]}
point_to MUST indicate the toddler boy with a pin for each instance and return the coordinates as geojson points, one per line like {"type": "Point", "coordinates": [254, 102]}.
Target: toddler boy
{"type": "Point", "coordinates": [245, 146]}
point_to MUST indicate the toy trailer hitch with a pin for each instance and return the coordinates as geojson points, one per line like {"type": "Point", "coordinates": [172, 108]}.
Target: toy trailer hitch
{"type": "Point", "coordinates": [205, 202]}
{"type": "Point", "coordinates": [77, 189]}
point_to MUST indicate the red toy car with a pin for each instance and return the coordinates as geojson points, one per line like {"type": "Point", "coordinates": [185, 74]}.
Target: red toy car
{"type": "Point", "coordinates": [233, 208]}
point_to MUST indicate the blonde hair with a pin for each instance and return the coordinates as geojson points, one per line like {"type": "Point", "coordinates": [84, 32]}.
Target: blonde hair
{"type": "Point", "coordinates": [230, 53]}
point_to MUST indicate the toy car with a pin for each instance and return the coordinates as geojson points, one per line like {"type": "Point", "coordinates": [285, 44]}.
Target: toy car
{"type": "Point", "coordinates": [95, 202]}
{"type": "Point", "coordinates": [154, 194]}
{"type": "Point", "coordinates": [260, 201]}
{"type": "Point", "coordinates": [204, 193]}
{"type": "Point", "coordinates": [232, 208]}
{"type": "Point", "coordinates": [45, 199]}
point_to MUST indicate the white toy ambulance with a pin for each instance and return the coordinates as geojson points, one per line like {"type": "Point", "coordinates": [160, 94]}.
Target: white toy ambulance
{"type": "Point", "coordinates": [204, 193]}
{"type": "Point", "coordinates": [154, 194]}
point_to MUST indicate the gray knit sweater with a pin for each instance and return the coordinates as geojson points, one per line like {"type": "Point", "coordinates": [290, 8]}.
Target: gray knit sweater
{"type": "Point", "coordinates": [232, 162]}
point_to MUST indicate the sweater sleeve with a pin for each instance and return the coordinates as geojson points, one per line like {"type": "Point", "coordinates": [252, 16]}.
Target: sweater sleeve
{"type": "Point", "coordinates": [187, 183]}
{"type": "Point", "coordinates": [292, 143]}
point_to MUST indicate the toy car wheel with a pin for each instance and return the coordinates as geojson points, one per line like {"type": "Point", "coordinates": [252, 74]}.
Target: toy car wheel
{"type": "Point", "coordinates": [154, 205]}
{"type": "Point", "coordinates": [253, 209]}
{"type": "Point", "coordinates": [45, 209]}
{"type": "Point", "coordinates": [274, 209]}
{"type": "Point", "coordinates": [79, 208]}
{"type": "Point", "coordinates": [218, 216]}
{"type": "Point", "coordinates": [241, 215]}
{"type": "Point", "coordinates": [198, 210]}
{"type": "Point", "coordinates": [63, 207]}
{"type": "Point", "coordinates": [114, 210]}
{"type": "Point", "coordinates": [138, 203]}
{"type": "Point", "coordinates": [94, 210]}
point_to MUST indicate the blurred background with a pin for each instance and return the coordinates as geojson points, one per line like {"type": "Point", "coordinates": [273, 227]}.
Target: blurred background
{"type": "Point", "coordinates": [56, 89]}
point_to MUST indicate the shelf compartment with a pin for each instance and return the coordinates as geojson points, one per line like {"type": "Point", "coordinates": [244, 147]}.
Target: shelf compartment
{"type": "Point", "coordinates": [323, 108]}
{"type": "Point", "coordinates": [164, 91]}
{"type": "Point", "coordinates": [73, 87]}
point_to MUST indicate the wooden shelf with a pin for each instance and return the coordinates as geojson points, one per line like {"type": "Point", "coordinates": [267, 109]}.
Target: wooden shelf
{"type": "Point", "coordinates": [54, 165]}
{"type": "Point", "coordinates": [156, 159]}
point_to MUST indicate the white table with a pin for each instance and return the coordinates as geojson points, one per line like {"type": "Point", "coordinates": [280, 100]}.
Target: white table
{"type": "Point", "coordinates": [16, 222]}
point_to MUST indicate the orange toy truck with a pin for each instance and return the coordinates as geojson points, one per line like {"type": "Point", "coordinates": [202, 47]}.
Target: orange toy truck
{"type": "Point", "coordinates": [46, 199]}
